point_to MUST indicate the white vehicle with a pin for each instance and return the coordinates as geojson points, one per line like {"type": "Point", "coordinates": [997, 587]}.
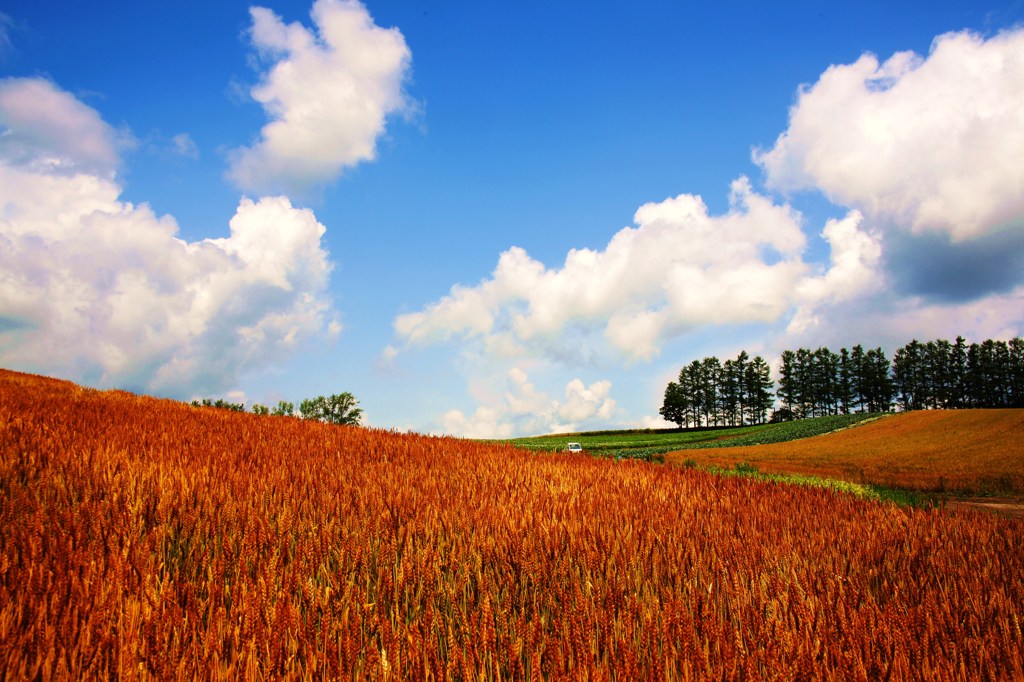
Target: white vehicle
{"type": "Point", "coordinates": [574, 447]}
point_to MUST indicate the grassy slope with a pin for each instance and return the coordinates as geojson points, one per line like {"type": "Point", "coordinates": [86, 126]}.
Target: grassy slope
{"type": "Point", "coordinates": [975, 451]}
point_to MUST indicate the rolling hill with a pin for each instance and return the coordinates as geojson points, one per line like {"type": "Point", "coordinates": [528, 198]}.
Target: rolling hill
{"type": "Point", "coordinates": [145, 538]}
{"type": "Point", "coordinates": [968, 451]}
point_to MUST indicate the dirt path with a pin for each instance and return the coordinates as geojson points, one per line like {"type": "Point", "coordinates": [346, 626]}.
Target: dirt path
{"type": "Point", "coordinates": [1004, 506]}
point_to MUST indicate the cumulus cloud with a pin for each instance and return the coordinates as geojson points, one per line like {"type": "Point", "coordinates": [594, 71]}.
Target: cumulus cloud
{"type": "Point", "coordinates": [583, 403]}
{"type": "Point", "coordinates": [891, 321]}
{"type": "Point", "coordinates": [678, 269]}
{"type": "Point", "coordinates": [853, 273]}
{"type": "Point", "coordinates": [104, 291]}
{"type": "Point", "coordinates": [924, 144]}
{"type": "Point", "coordinates": [485, 422]}
{"type": "Point", "coordinates": [45, 129]}
{"type": "Point", "coordinates": [328, 92]}
{"type": "Point", "coordinates": [524, 410]}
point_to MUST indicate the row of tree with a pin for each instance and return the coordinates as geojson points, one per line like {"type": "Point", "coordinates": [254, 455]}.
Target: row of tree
{"type": "Point", "coordinates": [342, 408]}
{"type": "Point", "coordinates": [812, 383]}
{"type": "Point", "coordinates": [940, 374]}
{"type": "Point", "coordinates": [710, 392]}
{"type": "Point", "coordinates": [821, 382]}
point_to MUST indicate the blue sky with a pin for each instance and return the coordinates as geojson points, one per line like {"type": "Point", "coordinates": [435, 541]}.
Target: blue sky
{"type": "Point", "coordinates": [498, 219]}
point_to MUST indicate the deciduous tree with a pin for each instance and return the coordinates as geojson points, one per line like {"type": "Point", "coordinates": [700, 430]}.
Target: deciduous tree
{"type": "Point", "coordinates": [342, 408]}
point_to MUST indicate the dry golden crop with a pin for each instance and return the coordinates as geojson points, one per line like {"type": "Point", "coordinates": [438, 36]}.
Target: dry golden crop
{"type": "Point", "coordinates": [148, 539]}
{"type": "Point", "coordinates": [958, 450]}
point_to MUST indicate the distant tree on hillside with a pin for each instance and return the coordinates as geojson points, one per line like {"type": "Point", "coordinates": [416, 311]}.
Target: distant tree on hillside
{"type": "Point", "coordinates": [712, 393]}
{"type": "Point", "coordinates": [877, 387]}
{"type": "Point", "coordinates": [908, 368]}
{"type": "Point", "coordinates": [939, 374]}
{"type": "Point", "coordinates": [933, 375]}
{"type": "Point", "coordinates": [758, 390]}
{"type": "Point", "coordinates": [1016, 372]}
{"type": "Point", "coordinates": [219, 403]}
{"type": "Point", "coordinates": [844, 382]}
{"type": "Point", "coordinates": [711, 383]}
{"type": "Point", "coordinates": [342, 408]}
{"type": "Point", "coordinates": [673, 407]}
{"type": "Point", "coordinates": [790, 388]}
{"type": "Point", "coordinates": [283, 409]}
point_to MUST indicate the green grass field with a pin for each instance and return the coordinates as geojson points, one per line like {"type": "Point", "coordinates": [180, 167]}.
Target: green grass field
{"type": "Point", "coordinates": [648, 444]}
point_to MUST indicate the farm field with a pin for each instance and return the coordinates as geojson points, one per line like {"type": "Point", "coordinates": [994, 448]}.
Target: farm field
{"type": "Point", "coordinates": [641, 444]}
{"type": "Point", "coordinates": [958, 451]}
{"type": "Point", "coordinates": [149, 539]}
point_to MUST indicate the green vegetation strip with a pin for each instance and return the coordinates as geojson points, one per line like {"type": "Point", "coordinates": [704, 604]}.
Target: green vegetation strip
{"type": "Point", "coordinates": [869, 492]}
{"type": "Point", "coordinates": [650, 445]}
{"type": "Point", "coordinates": [795, 430]}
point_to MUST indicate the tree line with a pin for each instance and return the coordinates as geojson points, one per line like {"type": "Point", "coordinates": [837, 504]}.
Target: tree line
{"type": "Point", "coordinates": [820, 382]}
{"type": "Point", "coordinates": [342, 408]}
{"type": "Point", "coordinates": [813, 383]}
{"type": "Point", "coordinates": [940, 374]}
{"type": "Point", "coordinates": [712, 393]}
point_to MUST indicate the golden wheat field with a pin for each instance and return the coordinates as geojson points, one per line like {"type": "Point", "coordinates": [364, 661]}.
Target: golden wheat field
{"type": "Point", "coordinates": [968, 451]}
{"type": "Point", "coordinates": [147, 539]}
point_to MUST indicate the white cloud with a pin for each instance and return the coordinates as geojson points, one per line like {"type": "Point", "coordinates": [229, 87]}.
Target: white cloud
{"type": "Point", "coordinates": [522, 410]}
{"type": "Point", "coordinates": [881, 319]}
{"type": "Point", "coordinates": [678, 269]}
{"type": "Point", "coordinates": [854, 271]}
{"type": "Point", "coordinates": [583, 403]}
{"type": "Point", "coordinates": [994, 317]}
{"type": "Point", "coordinates": [103, 291]}
{"type": "Point", "coordinates": [920, 143]}
{"type": "Point", "coordinates": [485, 422]}
{"type": "Point", "coordinates": [328, 94]}
{"type": "Point", "coordinates": [182, 144]}
{"type": "Point", "coordinates": [648, 421]}
{"type": "Point", "coordinates": [45, 129]}
{"type": "Point", "coordinates": [521, 398]}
